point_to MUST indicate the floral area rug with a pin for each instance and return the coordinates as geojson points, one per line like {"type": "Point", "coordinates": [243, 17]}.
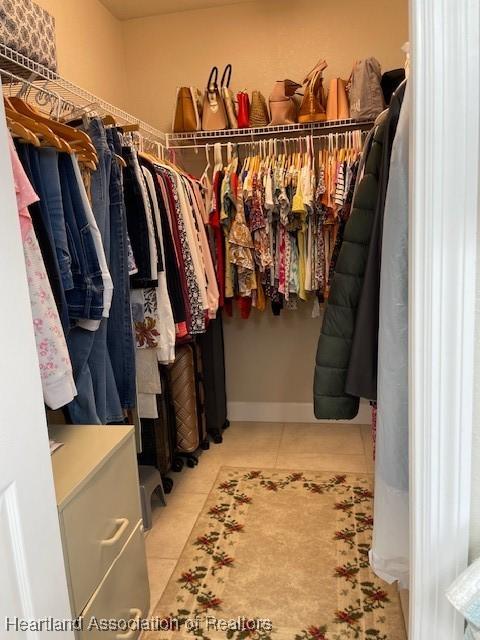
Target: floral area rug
{"type": "Point", "coordinates": [280, 555]}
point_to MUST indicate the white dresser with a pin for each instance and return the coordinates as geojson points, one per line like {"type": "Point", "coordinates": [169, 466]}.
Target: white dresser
{"type": "Point", "coordinates": [96, 484]}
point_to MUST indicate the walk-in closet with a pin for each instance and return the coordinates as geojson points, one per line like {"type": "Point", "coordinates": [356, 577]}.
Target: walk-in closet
{"type": "Point", "coordinates": [238, 265]}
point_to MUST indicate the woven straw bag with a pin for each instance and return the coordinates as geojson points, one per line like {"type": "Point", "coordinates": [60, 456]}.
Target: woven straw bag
{"type": "Point", "coordinates": [259, 116]}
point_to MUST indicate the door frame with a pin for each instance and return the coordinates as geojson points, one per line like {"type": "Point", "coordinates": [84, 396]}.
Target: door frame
{"type": "Point", "coordinates": [33, 568]}
{"type": "Point", "coordinates": [444, 170]}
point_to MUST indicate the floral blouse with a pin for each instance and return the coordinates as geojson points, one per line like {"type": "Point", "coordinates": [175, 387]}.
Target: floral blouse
{"type": "Point", "coordinates": [53, 358]}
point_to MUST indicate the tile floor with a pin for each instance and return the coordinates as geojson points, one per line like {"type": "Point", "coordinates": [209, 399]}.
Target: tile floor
{"type": "Point", "coordinates": [326, 447]}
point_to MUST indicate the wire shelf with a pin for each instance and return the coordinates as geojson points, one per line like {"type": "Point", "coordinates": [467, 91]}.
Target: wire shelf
{"type": "Point", "coordinates": [21, 69]}
{"type": "Point", "coordinates": [175, 140]}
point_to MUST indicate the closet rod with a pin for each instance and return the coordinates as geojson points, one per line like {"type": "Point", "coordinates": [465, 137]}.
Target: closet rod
{"type": "Point", "coordinates": [212, 145]}
{"type": "Point", "coordinates": [173, 139]}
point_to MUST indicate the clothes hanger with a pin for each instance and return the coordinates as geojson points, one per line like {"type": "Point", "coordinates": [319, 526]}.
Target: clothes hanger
{"type": "Point", "coordinates": [270, 153]}
{"type": "Point", "coordinates": [120, 161]}
{"type": "Point", "coordinates": [235, 158]}
{"type": "Point", "coordinates": [79, 113]}
{"type": "Point", "coordinates": [108, 120]}
{"type": "Point", "coordinates": [58, 110]}
{"type": "Point", "coordinates": [19, 131]}
{"type": "Point", "coordinates": [41, 131]}
{"type": "Point", "coordinates": [69, 134]}
{"type": "Point", "coordinates": [130, 128]}
{"type": "Point", "coordinates": [217, 156]}
{"type": "Point", "coordinates": [207, 167]}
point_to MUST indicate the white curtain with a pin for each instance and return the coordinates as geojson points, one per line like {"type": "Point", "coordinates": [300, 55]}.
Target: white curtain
{"type": "Point", "coordinates": [389, 556]}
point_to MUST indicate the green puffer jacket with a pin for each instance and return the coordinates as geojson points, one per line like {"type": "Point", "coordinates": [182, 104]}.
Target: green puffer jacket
{"type": "Point", "coordinates": [335, 341]}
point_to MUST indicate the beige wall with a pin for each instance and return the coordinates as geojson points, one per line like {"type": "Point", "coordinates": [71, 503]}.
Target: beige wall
{"type": "Point", "coordinates": [269, 359]}
{"type": "Point", "coordinates": [265, 40]}
{"type": "Point", "coordinates": [90, 47]}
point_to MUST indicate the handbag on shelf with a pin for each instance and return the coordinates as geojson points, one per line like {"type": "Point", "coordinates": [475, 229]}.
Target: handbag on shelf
{"type": "Point", "coordinates": [312, 108]}
{"type": "Point", "coordinates": [187, 116]}
{"type": "Point", "coordinates": [243, 110]}
{"type": "Point", "coordinates": [338, 107]}
{"type": "Point", "coordinates": [259, 116]}
{"type": "Point", "coordinates": [229, 100]}
{"type": "Point", "coordinates": [214, 114]}
{"type": "Point", "coordinates": [365, 91]}
{"type": "Point", "coordinates": [283, 107]}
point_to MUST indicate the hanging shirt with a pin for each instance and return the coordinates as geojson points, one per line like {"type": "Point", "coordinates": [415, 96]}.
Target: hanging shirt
{"type": "Point", "coordinates": [53, 357]}
{"type": "Point", "coordinates": [93, 325]}
{"type": "Point", "coordinates": [194, 296]}
{"type": "Point", "coordinates": [166, 342]}
{"type": "Point", "coordinates": [152, 240]}
{"type": "Point", "coordinates": [212, 286]}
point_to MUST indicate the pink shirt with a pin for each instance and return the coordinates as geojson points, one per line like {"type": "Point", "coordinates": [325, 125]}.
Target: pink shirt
{"type": "Point", "coordinates": [24, 191]}
{"type": "Point", "coordinates": [53, 357]}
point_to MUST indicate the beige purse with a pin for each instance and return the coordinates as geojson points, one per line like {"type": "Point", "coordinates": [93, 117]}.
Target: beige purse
{"type": "Point", "coordinates": [338, 107]}
{"type": "Point", "coordinates": [186, 117]}
{"type": "Point", "coordinates": [283, 108]}
{"type": "Point", "coordinates": [214, 115]}
{"type": "Point", "coordinates": [229, 100]}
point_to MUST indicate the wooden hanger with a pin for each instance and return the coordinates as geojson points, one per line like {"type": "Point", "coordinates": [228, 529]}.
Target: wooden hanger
{"type": "Point", "coordinates": [19, 131]}
{"type": "Point", "coordinates": [165, 162]}
{"type": "Point", "coordinates": [148, 156]}
{"type": "Point", "coordinates": [87, 161]}
{"type": "Point", "coordinates": [69, 134]}
{"type": "Point", "coordinates": [120, 161]}
{"type": "Point", "coordinates": [109, 120]}
{"type": "Point", "coordinates": [129, 128]}
{"type": "Point", "coordinates": [41, 131]}
{"type": "Point", "coordinates": [53, 133]}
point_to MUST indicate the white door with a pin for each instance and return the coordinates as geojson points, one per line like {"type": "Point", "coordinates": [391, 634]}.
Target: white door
{"type": "Point", "coordinates": [32, 573]}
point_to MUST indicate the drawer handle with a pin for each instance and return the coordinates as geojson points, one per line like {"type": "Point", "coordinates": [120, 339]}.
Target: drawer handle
{"type": "Point", "coordinates": [122, 527]}
{"type": "Point", "coordinates": [137, 616]}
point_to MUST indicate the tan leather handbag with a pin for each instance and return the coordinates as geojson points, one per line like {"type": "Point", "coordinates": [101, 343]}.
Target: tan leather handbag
{"type": "Point", "coordinates": [228, 99]}
{"type": "Point", "coordinates": [214, 114]}
{"type": "Point", "coordinates": [283, 108]}
{"type": "Point", "coordinates": [312, 108]}
{"type": "Point", "coordinates": [338, 107]}
{"type": "Point", "coordinates": [186, 117]}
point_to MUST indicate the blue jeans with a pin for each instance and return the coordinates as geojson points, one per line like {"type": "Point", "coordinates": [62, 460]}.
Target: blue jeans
{"type": "Point", "coordinates": [85, 300]}
{"type": "Point", "coordinates": [48, 159]}
{"type": "Point", "coordinates": [42, 213]}
{"type": "Point", "coordinates": [120, 341]}
{"type": "Point", "coordinates": [97, 391]}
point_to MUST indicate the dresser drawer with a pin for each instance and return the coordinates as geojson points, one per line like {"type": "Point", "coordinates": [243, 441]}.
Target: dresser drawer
{"type": "Point", "coordinates": [98, 521]}
{"type": "Point", "coordinates": [124, 594]}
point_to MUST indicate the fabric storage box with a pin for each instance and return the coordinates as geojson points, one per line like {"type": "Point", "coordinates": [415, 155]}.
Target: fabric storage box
{"type": "Point", "coordinates": [30, 30]}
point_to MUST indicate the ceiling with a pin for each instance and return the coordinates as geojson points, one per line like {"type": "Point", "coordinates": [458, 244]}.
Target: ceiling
{"type": "Point", "coordinates": [126, 9]}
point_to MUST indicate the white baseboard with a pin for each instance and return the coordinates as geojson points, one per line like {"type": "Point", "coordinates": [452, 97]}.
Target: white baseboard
{"type": "Point", "coordinates": [286, 412]}
{"type": "Point", "coordinates": [405, 602]}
